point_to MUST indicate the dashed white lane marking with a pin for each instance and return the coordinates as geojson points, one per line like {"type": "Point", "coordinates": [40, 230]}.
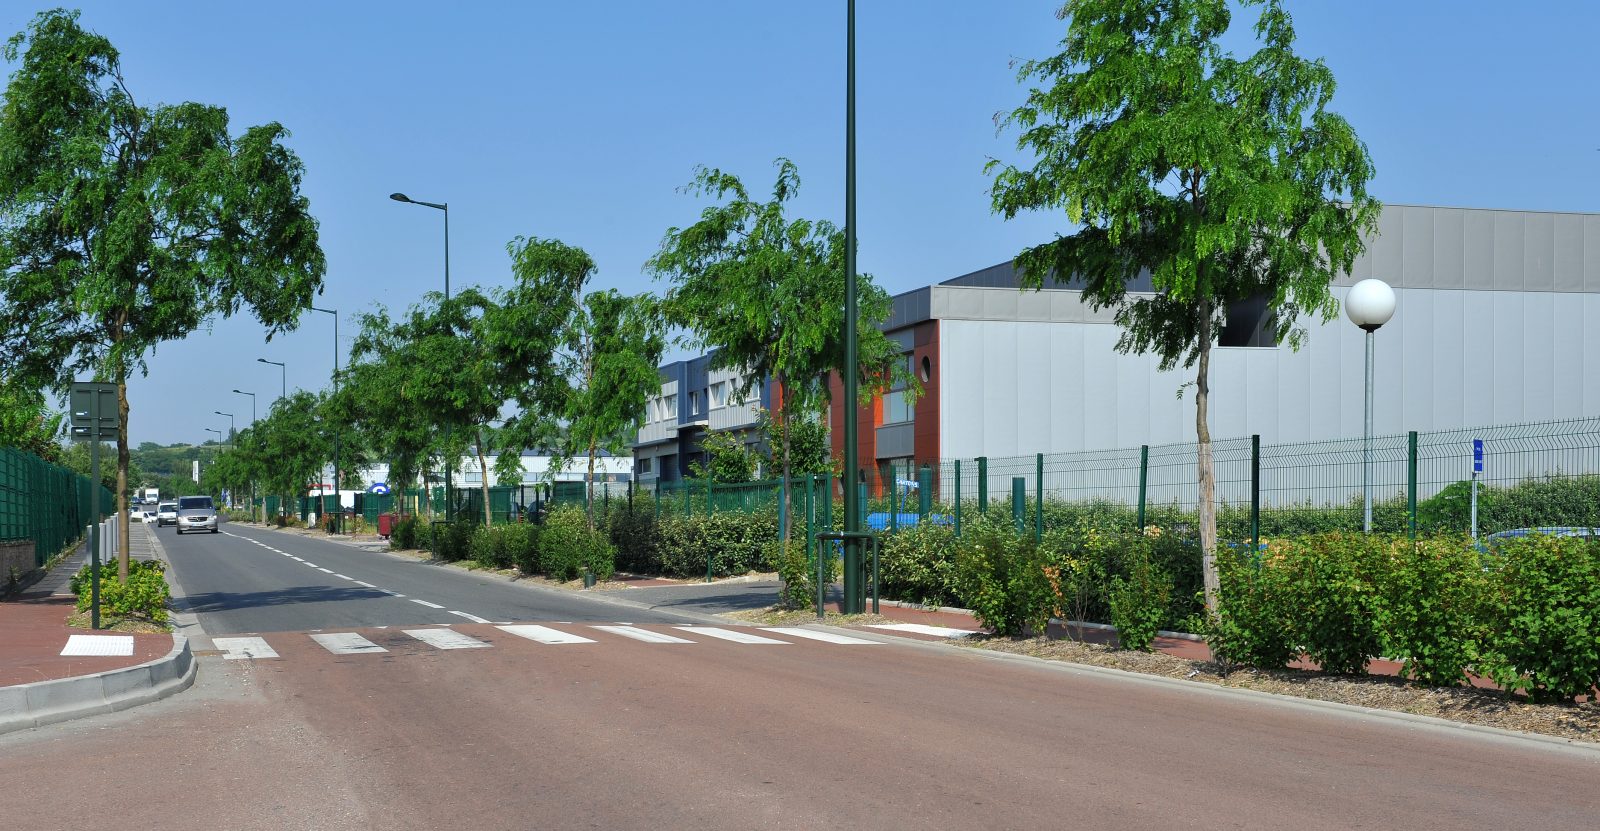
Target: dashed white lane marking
{"type": "Point", "coordinates": [346, 643]}
{"type": "Point", "coordinates": [313, 565]}
{"type": "Point", "coordinates": [244, 648]}
{"type": "Point", "coordinates": [342, 577]}
{"type": "Point", "coordinates": [98, 645]}
{"type": "Point", "coordinates": [327, 570]}
{"type": "Point", "coordinates": [729, 634]}
{"type": "Point", "coordinates": [641, 634]}
{"type": "Point", "coordinates": [543, 634]}
{"type": "Point", "coordinates": [296, 559]}
{"type": "Point", "coordinates": [391, 593]}
{"type": "Point", "coordinates": [446, 639]}
{"type": "Point", "coordinates": [924, 629]}
{"type": "Point", "coordinates": [825, 637]}
{"type": "Point", "coordinates": [473, 618]}
{"type": "Point", "coordinates": [365, 583]}
{"type": "Point", "coordinates": [426, 603]}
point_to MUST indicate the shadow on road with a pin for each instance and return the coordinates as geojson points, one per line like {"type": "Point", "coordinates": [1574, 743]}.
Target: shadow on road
{"type": "Point", "coordinates": [225, 601]}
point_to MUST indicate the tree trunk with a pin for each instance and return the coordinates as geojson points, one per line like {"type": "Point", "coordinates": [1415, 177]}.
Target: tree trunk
{"type": "Point", "coordinates": [783, 428]}
{"type": "Point", "coordinates": [483, 467]}
{"type": "Point", "coordinates": [1208, 484]}
{"type": "Point", "coordinates": [124, 522]}
{"type": "Point", "coordinates": [588, 507]}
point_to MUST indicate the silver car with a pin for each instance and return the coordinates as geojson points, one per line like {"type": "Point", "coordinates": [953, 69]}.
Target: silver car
{"type": "Point", "coordinates": [196, 513]}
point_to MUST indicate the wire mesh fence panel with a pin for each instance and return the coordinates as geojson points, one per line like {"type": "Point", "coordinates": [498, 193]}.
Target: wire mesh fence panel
{"type": "Point", "coordinates": [46, 505]}
{"type": "Point", "coordinates": [1537, 475]}
{"type": "Point", "coordinates": [1312, 487]}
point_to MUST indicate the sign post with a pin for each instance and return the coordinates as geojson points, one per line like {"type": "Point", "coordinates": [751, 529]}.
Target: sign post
{"type": "Point", "coordinates": [1477, 469]}
{"type": "Point", "coordinates": [94, 420]}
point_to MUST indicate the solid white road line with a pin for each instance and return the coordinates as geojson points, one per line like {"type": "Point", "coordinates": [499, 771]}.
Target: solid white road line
{"type": "Point", "coordinates": [446, 639]}
{"type": "Point", "coordinates": [426, 603]}
{"type": "Point", "coordinates": [473, 618]}
{"type": "Point", "coordinates": [342, 577]}
{"type": "Point", "coordinates": [346, 643]}
{"type": "Point", "coordinates": [543, 634]}
{"type": "Point", "coordinates": [641, 634]}
{"type": "Point", "coordinates": [244, 648]}
{"type": "Point", "coordinates": [327, 570]}
{"type": "Point", "coordinates": [296, 559]}
{"type": "Point", "coordinates": [924, 629]}
{"type": "Point", "coordinates": [365, 583]}
{"type": "Point", "coordinates": [825, 637]}
{"type": "Point", "coordinates": [729, 635]}
{"type": "Point", "coordinates": [98, 645]}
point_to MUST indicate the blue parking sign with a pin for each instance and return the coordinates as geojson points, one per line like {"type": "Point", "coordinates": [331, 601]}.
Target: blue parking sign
{"type": "Point", "coordinates": [1477, 455]}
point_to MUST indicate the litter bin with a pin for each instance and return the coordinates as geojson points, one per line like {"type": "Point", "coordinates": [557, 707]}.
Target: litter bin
{"type": "Point", "coordinates": [385, 525]}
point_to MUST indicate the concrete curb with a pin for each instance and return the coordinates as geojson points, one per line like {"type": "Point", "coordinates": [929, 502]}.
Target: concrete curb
{"type": "Point", "coordinates": [1586, 750]}
{"type": "Point", "coordinates": [47, 702]}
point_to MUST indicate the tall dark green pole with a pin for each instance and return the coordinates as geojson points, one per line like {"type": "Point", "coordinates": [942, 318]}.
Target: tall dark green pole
{"type": "Point", "coordinates": [854, 598]}
{"type": "Point", "coordinates": [1255, 493]}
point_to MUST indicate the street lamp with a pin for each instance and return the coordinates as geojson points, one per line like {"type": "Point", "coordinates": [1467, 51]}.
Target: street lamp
{"type": "Point", "coordinates": [854, 600]}
{"type": "Point", "coordinates": [252, 404]}
{"type": "Point", "coordinates": [337, 496]}
{"type": "Point", "coordinates": [218, 432]}
{"type": "Point", "coordinates": [1369, 305]}
{"type": "Point", "coordinates": [284, 393]}
{"type": "Point", "coordinates": [450, 464]}
{"type": "Point", "coordinates": [230, 426]}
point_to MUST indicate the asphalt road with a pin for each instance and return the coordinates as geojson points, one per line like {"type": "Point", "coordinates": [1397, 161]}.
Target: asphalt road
{"type": "Point", "coordinates": [255, 580]}
{"type": "Point", "coordinates": [615, 733]}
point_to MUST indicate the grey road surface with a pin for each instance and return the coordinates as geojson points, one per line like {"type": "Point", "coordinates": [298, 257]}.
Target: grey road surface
{"type": "Point", "coordinates": [256, 580]}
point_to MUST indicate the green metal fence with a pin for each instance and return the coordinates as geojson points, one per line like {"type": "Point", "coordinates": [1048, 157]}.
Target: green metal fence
{"type": "Point", "coordinates": [47, 505]}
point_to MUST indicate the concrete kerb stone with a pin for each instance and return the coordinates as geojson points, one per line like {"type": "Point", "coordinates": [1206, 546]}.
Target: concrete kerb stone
{"type": "Point", "coordinates": [1586, 750]}
{"type": "Point", "coordinates": [26, 706]}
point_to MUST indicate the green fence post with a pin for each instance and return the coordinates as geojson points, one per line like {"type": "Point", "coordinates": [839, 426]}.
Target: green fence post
{"type": "Point", "coordinates": [958, 498]}
{"type": "Point", "coordinates": [688, 499]}
{"type": "Point", "coordinates": [1038, 497]}
{"type": "Point", "coordinates": [827, 502]}
{"type": "Point", "coordinates": [983, 484]}
{"type": "Point", "coordinates": [1144, 479]}
{"type": "Point", "coordinates": [1019, 501]}
{"type": "Point", "coordinates": [1411, 483]}
{"type": "Point", "coordinates": [658, 497]}
{"type": "Point", "coordinates": [1255, 492]}
{"type": "Point", "coordinates": [711, 507]}
{"type": "Point", "coordinates": [810, 509]}
{"type": "Point", "coordinates": [924, 492]}
{"type": "Point", "coordinates": [894, 500]}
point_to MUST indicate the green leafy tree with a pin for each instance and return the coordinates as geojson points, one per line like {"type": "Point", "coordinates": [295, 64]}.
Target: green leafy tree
{"type": "Point", "coordinates": [1221, 178]}
{"type": "Point", "coordinates": [729, 459]}
{"type": "Point", "coordinates": [809, 449]}
{"type": "Point", "coordinates": [612, 351]}
{"type": "Point", "coordinates": [766, 294]}
{"type": "Point", "coordinates": [26, 422]}
{"type": "Point", "coordinates": [129, 224]}
{"type": "Point", "coordinates": [291, 445]}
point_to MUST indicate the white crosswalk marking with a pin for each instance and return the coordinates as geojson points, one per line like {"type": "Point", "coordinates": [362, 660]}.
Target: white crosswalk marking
{"type": "Point", "coordinates": [641, 634]}
{"type": "Point", "coordinates": [543, 634]}
{"type": "Point", "coordinates": [473, 618]}
{"type": "Point", "coordinates": [98, 645]}
{"type": "Point", "coordinates": [426, 603]}
{"type": "Point", "coordinates": [446, 639]}
{"type": "Point", "coordinates": [924, 629]}
{"type": "Point", "coordinates": [730, 635]}
{"type": "Point", "coordinates": [346, 643]}
{"type": "Point", "coordinates": [244, 648]}
{"type": "Point", "coordinates": [815, 635]}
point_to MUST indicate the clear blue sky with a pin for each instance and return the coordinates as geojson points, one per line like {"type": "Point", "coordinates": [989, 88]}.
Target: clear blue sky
{"type": "Point", "coordinates": [579, 120]}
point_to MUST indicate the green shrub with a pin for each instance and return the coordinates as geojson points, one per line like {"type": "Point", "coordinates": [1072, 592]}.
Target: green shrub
{"type": "Point", "coordinates": [566, 546]}
{"type": "Point", "coordinates": [733, 542]}
{"type": "Point", "coordinates": [917, 565]}
{"type": "Point", "coordinates": [403, 535]}
{"type": "Point", "coordinates": [1433, 595]}
{"type": "Point", "coordinates": [1139, 600]}
{"type": "Point", "coordinates": [489, 546]}
{"type": "Point", "coordinates": [145, 593]}
{"type": "Point", "coordinates": [1253, 621]}
{"type": "Point", "coordinates": [1333, 599]}
{"type": "Point", "coordinates": [1001, 575]}
{"type": "Point", "coordinates": [1544, 617]}
{"type": "Point", "coordinates": [636, 535]}
{"type": "Point", "coordinates": [518, 546]}
{"type": "Point", "coordinates": [452, 541]}
{"type": "Point", "coordinates": [798, 576]}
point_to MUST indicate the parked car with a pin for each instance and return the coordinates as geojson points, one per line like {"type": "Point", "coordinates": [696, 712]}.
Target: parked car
{"type": "Point", "coordinates": [196, 513]}
{"type": "Point", "coordinates": [147, 513]}
{"type": "Point", "coordinates": [167, 514]}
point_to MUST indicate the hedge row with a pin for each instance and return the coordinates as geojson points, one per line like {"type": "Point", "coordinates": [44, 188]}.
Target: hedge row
{"type": "Point", "coordinates": [144, 594]}
{"type": "Point", "coordinates": [561, 547]}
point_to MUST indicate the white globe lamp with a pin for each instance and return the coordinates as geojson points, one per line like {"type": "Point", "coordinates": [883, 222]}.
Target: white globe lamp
{"type": "Point", "coordinates": [1369, 305]}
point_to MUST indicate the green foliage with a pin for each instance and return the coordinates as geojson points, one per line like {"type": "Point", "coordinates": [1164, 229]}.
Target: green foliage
{"type": "Point", "coordinates": [1544, 617]}
{"type": "Point", "coordinates": [505, 545]}
{"type": "Point", "coordinates": [1333, 584]}
{"type": "Point", "coordinates": [810, 449]}
{"type": "Point", "coordinates": [144, 594]}
{"type": "Point", "coordinates": [452, 541]}
{"type": "Point", "coordinates": [1002, 576]}
{"type": "Point", "coordinates": [798, 576]}
{"type": "Point", "coordinates": [1139, 600]}
{"type": "Point", "coordinates": [917, 564]}
{"type": "Point", "coordinates": [1432, 609]}
{"type": "Point", "coordinates": [1552, 502]}
{"type": "Point", "coordinates": [636, 536]}
{"type": "Point", "coordinates": [1253, 624]}
{"type": "Point", "coordinates": [729, 460]}
{"type": "Point", "coordinates": [567, 546]}
{"type": "Point", "coordinates": [403, 536]}
{"type": "Point", "coordinates": [734, 543]}
{"type": "Point", "coordinates": [131, 225]}
{"type": "Point", "coordinates": [27, 424]}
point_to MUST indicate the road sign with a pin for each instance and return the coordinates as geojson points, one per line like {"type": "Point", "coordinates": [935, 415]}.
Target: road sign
{"type": "Point", "coordinates": [1477, 455]}
{"type": "Point", "coordinates": [378, 488]}
{"type": "Point", "coordinates": [94, 411]}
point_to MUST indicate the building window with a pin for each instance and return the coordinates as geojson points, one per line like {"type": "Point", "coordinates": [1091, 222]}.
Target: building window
{"type": "Point", "coordinates": [669, 408]}
{"type": "Point", "coordinates": [644, 465]}
{"type": "Point", "coordinates": [897, 408]}
{"type": "Point", "coordinates": [718, 399]}
{"type": "Point", "coordinates": [694, 403]}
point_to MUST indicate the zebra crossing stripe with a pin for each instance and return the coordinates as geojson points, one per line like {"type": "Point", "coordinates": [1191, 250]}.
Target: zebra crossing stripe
{"type": "Point", "coordinates": [346, 643]}
{"type": "Point", "coordinates": [446, 639]}
{"type": "Point", "coordinates": [729, 635]}
{"type": "Point", "coordinates": [641, 634]}
{"type": "Point", "coordinates": [236, 648]}
{"type": "Point", "coordinates": [543, 634]}
{"type": "Point", "coordinates": [817, 635]}
{"type": "Point", "coordinates": [924, 629]}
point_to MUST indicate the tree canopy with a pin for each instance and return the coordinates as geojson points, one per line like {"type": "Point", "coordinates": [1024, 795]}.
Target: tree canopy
{"type": "Point", "coordinates": [1221, 178]}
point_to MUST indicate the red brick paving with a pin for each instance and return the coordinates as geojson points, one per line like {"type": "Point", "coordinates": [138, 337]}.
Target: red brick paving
{"type": "Point", "coordinates": [33, 629]}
